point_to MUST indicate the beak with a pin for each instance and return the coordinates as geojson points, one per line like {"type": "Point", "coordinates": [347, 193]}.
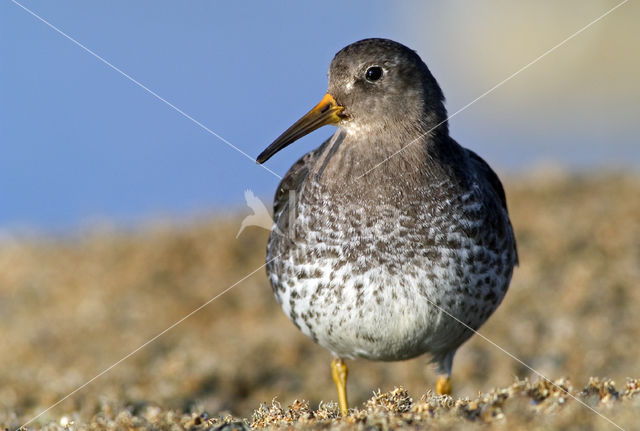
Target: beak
{"type": "Point", "coordinates": [325, 112]}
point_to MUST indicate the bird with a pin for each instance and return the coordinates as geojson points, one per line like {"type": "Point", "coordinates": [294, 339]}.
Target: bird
{"type": "Point", "coordinates": [390, 239]}
{"type": "Point", "coordinates": [260, 216]}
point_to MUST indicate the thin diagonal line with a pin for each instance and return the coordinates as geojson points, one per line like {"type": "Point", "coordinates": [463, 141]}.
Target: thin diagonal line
{"type": "Point", "coordinates": [229, 288]}
{"type": "Point", "coordinates": [489, 91]}
{"type": "Point", "coordinates": [142, 346]}
{"type": "Point", "coordinates": [512, 356]}
{"type": "Point", "coordinates": [498, 85]}
{"type": "Point", "coordinates": [147, 89]}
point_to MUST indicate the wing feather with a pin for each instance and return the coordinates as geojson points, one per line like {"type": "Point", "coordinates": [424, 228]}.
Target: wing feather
{"type": "Point", "coordinates": [491, 178]}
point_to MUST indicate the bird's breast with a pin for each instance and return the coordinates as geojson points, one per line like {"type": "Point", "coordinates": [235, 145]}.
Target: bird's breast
{"type": "Point", "coordinates": [369, 281]}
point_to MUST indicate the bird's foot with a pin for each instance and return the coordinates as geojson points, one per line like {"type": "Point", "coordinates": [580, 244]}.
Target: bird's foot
{"type": "Point", "coordinates": [443, 385]}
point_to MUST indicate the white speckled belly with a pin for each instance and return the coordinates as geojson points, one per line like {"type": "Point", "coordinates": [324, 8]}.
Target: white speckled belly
{"type": "Point", "coordinates": [376, 288]}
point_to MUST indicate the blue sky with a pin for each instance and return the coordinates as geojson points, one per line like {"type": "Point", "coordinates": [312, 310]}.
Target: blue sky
{"type": "Point", "coordinates": [80, 142]}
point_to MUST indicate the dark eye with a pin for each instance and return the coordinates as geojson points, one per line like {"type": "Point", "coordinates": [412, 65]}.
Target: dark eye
{"type": "Point", "coordinates": [373, 73]}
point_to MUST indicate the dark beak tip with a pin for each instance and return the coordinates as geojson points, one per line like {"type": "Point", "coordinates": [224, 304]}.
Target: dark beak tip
{"type": "Point", "coordinates": [261, 158]}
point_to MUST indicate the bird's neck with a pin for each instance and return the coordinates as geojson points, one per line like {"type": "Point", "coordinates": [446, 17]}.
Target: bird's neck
{"type": "Point", "coordinates": [404, 155]}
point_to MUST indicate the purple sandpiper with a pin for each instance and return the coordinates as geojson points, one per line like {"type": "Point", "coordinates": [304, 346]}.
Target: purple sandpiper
{"type": "Point", "coordinates": [390, 239]}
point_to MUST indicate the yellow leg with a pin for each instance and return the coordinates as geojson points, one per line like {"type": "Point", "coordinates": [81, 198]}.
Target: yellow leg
{"type": "Point", "coordinates": [443, 385]}
{"type": "Point", "coordinates": [339, 374]}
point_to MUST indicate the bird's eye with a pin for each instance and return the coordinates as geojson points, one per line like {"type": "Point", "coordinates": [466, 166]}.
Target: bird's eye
{"type": "Point", "coordinates": [373, 73]}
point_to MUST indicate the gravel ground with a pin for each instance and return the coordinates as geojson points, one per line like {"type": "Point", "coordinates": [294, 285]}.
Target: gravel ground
{"type": "Point", "coordinates": [72, 306]}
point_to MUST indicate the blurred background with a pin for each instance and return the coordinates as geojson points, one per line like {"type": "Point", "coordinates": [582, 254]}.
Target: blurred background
{"type": "Point", "coordinates": [118, 215]}
{"type": "Point", "coordinates": [81, 144]}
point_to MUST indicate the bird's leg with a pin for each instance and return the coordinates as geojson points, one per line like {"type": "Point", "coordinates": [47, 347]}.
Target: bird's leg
{"type": "Point", "coordinates": [339, 374]}
{"type": "Point", "coordinates": [443, 385]}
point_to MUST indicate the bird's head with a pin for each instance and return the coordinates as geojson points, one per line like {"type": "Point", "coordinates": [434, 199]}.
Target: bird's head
{"type": "Point", "coordinates": [376, 86]}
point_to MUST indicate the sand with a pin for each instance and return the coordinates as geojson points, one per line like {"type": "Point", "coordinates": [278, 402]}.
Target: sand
{"type": "Point", "coordinates": [73, 306]}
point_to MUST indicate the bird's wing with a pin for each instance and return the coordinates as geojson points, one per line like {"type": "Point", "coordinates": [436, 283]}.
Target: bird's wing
{"type": "Point", "coordinates": [492, 179]}
{"type": "Point", "coordinates": [489, 175]}
{"type": "Point", "coordinates": [293, 178]}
